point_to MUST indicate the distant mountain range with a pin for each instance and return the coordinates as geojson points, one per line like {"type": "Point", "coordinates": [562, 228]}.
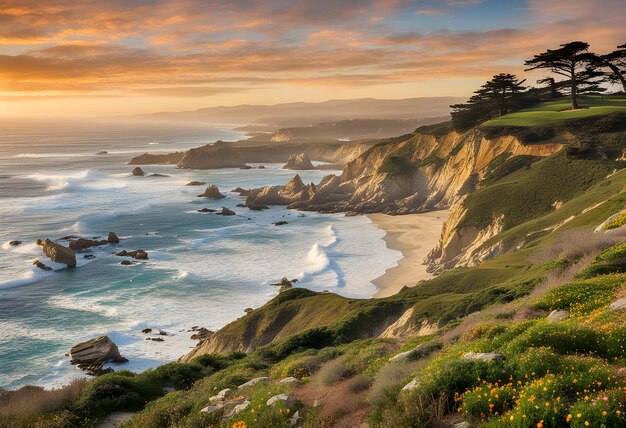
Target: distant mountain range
{"type": "Point", "coordinates": [302, 113]}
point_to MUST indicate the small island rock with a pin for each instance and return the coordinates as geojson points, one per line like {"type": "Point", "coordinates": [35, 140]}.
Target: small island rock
{"type": "Point", "coordinates": [93, 354]}
{"type": "Point", "coordinates": [212, 192]}
{"type": "Point", "coordinates": [57, 252]}
{"type": "Point", "coordinates": [298, 162]}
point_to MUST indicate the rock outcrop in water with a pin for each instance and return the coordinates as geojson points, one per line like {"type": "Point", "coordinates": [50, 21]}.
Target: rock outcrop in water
{"type": "Point", "coordinates": [294, 191]}
{"type": "Point", "coordinates": [78, 243]}
{"type": "Point", "coordinates": [138, 172]}
{"type": "Point", "coordinates": [137, 254]}
{"type": "Point", "coordinates": [93, 354]}
{"type": "Point", "coordinates": [57, 252]}
{"type": "Point", "coordinates": [298, 162]}
{"type": "Point", "coordinates": [157, 159]}
{"type": "Point", "coordinates": [212, 192]}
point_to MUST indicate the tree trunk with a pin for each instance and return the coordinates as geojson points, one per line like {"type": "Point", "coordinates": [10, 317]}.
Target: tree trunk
{"type": "Point", "coordinates": [574, 88]}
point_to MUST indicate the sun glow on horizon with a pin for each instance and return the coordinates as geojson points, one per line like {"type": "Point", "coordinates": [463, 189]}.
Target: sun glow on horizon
{"type": "Point", "coordinates": [112, 58]}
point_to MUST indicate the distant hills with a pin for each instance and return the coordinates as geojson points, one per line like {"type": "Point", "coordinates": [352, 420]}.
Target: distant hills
{"type": "Point", "coordinates": [303, 114]}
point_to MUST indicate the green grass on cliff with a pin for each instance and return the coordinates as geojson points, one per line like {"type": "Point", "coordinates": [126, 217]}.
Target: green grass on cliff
{"type": "Point", "coordinates": [559, 111]}
{"type": "Point", "coordinates": [532, 191]}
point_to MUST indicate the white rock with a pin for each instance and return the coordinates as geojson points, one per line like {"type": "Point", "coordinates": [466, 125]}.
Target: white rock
{"type": "Point", "coordinates": [618, 304]}
{"type": "Point", "coordinates": [293, 421]}
{"type": "Point", "coordinates": [558, 315]}
{"type": "Point", "coordinates": [411, 385]}
{"type": "Point", "coordinates": [402, 356]}
{"type": "Point", "coordinates": [212, 409]}
{"type": "Point", "coordinates": [291, 381]}
{"type": "Point", "coordinates": [281, 398]}
{"type": "Point", "coordinates": [463, 424]}
{"type": "Point", "coordinates": [254, 381]}
{"type": "Point", "coordinates": [221, 396]}
{"type": "Point", "coordinates": [238, 408]}
{"type": "Point", "coordinates": [482, 356]}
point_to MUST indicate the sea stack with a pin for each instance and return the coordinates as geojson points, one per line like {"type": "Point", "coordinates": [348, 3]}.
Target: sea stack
{"type": "Point", "coordinates": [212, 192]}
{"type": "Point", "coordinates": [298, 162]}
{"type": "Point", "coordinates": [138, 172]}
{"type": "Point", "coordinates": [57, 252]}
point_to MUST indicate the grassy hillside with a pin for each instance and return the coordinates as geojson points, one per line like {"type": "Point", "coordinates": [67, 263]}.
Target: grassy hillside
{"type": "Point", "coordinates": [547, 373]}
{"type": "Point", "coordinates": [559, 110]}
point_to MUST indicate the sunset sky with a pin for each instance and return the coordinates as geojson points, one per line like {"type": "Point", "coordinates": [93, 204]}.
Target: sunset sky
{"type": "Point", "coordinates": [98, 57]}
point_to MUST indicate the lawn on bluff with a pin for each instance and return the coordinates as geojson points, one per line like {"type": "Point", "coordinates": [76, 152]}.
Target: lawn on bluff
{"type": "Point", "coordinates": [559, 110]}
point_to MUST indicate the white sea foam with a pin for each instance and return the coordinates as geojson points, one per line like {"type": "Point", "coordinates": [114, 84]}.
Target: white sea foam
{"type": "Point", "coordinates": [86, 304]}
{"type": "Point", "coordinates": [317, 259]}
{"type": "Point", "coordinates": [26, 278]}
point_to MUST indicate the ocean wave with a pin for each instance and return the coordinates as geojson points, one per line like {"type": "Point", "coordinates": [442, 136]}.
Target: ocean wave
{"type": "Point", "coordinates": [317, 260]}
{"type": "Point", "coordinates": [84, 304]}
{"type": "Point", "coordinates": [31, 248]}
{"type": "Point", "coordinates": [27, 278]}
{"type": "Point", "coordinates": [67, 182]}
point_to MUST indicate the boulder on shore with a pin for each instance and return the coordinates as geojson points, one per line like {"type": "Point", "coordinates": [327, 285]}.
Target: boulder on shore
{"type": "Point", "coordinates": [57, 252]}
{"type": "Point", "coordinates": [298, 162]}
{"type": "Point", "coordinates": [138, 172]}
{"type": "Point", "coordinates": [212, 192]}
{"type": "Point", "coordinates": [93, 354]}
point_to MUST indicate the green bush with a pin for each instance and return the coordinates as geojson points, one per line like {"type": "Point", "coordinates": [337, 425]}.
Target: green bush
{"type": "Point", "coordinates": [450, 375]}
{"type": "Point", "coordinates": [611, 260]}
{"type": "Point", "coordinates": [581, 297]}
{"type": "Point", "coordinates": [488, 400]}
{"type": "Point", "coordinates": [618, 221]}
{"type": "Point", "coordinates": [535, 363]}
{"type": "Point", "coordinates": [607, 409]}
{"type": "Point", "coordinates": [564, 338]}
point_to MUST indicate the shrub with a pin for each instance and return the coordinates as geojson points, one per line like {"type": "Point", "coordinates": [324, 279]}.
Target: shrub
{"type": "Point", "coordinates": [488, 400]}
{"type": "Point", "coordinates": [450, 375]}
{"type": "Point", "coordinates": [618, 221]}
{"type": "Point", "coordinates": [535, 363]}
{"type": "Point", "coordinates": [607, 409]}
{"type": "Point", "coordinates": [22, 406]}
{"type": "Point", "coordinates": [611, 260]}
{"type": "Point", "coordinates": [411, 410]}
{"type": "Point", "coordinates": [581, 297]}
{"type": "Point", "coordinates": [331, 372]}
{"type": "Point", "coordinates": [387, 383]}
{"type": "Point", "coordinates": [564, 338]}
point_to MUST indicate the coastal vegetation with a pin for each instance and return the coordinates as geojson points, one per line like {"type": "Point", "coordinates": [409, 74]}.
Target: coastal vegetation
{"type": "Point", "coordinates": [523, 326]}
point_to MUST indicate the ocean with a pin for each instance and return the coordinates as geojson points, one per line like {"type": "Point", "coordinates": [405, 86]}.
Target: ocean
{"type": "Point", "coordinates": [203, 269]}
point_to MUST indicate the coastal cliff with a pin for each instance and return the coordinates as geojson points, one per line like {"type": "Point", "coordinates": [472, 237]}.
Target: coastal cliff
{"type": "Point", "coordinates": [235, 155]}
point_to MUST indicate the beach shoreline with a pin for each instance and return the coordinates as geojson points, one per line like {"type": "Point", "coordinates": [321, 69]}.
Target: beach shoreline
{"type": "Point", "coordinates": [414, 235]}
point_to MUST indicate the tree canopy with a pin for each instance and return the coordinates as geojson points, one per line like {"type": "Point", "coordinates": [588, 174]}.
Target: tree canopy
{"type": "Point", "coordinates": [572, 61]}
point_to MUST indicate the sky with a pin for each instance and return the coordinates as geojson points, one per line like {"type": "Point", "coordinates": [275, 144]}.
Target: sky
{"type": "Point", "coordinates": [118, 57]}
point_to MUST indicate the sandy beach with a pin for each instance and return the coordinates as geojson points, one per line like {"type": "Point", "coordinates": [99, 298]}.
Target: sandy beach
{"type": "Point", "coordinates": [414, 235]}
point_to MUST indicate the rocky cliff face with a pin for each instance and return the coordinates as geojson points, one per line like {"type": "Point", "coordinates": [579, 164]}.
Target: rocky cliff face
{"type": "Point", "coordinates": [422, 173]}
